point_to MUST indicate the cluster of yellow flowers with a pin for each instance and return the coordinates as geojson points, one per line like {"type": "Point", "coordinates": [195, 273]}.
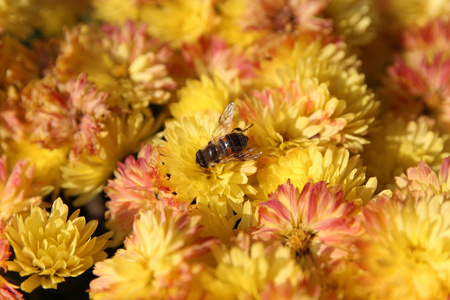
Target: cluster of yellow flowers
{"type": "Point", "coordinates": [225, 149]}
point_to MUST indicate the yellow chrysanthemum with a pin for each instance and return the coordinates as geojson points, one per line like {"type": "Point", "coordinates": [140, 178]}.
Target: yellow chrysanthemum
{"type": "Point", "coordinates": [117, 11]}
{"type": "Point", "coordinates": [204, 96]}
{"type": "Point", "coordinates": [405, 252]}
{"type": "Point", "coordinates": [21, 17]}
{"type": "Point", "coordinates": [334, 166]}
{"type": "Point", "coordinates": [227, 181]}
{"type": "Point", "coordinates": [160, 260]}
{"type": "Point", "coordinates": [17, 17]}
{"type": "Point", "coordinates": [124, 61]}
{"type": "Point", "coordinates": [86, 175]}
{"type": "Point", "coordinates": [179, 21]}
{"type": "Point", "coordinates": [47, 162]}
{"type": "Point", "coordinates": [50, 247]}
{"type": "Point", "coordinates": [55, 15]}
{"type": "Point", "coordinates": [295, 116]}
{"type": "Point", "coordinates": [330, 65]}
{"type": "Point", "coordinates": [413, 13]}
{"type": "Point", "coordinates": [220, 220]}
{"type": "Point", "coordinates": [253, 270]}
{"type": "Point", "coordinates": [229, 28]}
{"type": "Point", "coordinates": [355, 20]}
{"type": "Point", "coordinates": [399, 144]}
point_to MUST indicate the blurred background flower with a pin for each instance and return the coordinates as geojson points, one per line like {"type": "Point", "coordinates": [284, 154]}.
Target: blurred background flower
{"type": "Point", "coordinates": [406, 240]}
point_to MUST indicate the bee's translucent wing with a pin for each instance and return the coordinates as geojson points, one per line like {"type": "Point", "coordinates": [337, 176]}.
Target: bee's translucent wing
{"type": "Point", "coordinates": [246, 154]}
{"type": "Point", "coordinates": [224, 123]}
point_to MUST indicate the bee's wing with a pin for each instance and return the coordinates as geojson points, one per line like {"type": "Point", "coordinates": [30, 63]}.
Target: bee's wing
{"type": "Point", "coordinates": [247, 154]}
{"type": "Point", "coordinates": [224, 123]}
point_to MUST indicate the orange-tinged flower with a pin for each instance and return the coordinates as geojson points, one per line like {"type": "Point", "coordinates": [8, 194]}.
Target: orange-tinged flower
{"type": "Point", "coordinates": [4, 246]}
{"type": "Point", "coordinates": [19, 189]}
{"type": "Point", "coordinates": [316, 223]}
{"type": "Point", "coordinates": [160, 260]}
{"type": "Point", "coordinates": [138, 186]}
{"type": "Point", "coordinates": [50, 247]}
{"type": "Point", "coordinates": [18, 64]}
{"type": "Point", "coordinates": [7, 290]}
{"type": "Point", "coordinates": [123, 61]}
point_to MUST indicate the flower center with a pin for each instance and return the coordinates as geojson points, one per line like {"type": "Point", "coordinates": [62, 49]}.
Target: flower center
{"type": "Point", "coordinates": [285, 20]}
{"type": "Point", "coordinates": [299, 240]}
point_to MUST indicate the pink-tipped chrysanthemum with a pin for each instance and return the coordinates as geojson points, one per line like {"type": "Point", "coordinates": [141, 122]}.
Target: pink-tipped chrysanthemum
{"type": "Point", "coordinates": [138, 186]}
{"type": "Point", "coordinates": [422, 178]}
{"type": "Point", "coordinates": [332, 92]}
{"type": "Point", "coordinates": [65, 115]}
{"type": "Point", "coordinates": [316, 223]}
{"type": "Point", "coordinates": [418, 81]}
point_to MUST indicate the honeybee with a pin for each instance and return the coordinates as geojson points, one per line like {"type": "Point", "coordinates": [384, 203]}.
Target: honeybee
{"type": "Point", "coordinates": [224, 146]}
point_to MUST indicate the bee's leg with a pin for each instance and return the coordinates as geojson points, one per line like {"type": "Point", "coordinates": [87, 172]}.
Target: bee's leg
{"type": "Point", "coordinates": [242, 130]}
{"type": "Point", "coordinates": [240, 156]}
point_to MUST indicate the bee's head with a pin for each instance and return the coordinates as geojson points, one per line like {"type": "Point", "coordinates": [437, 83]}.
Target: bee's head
{"type": "Point", "coordinates": [200, 159]}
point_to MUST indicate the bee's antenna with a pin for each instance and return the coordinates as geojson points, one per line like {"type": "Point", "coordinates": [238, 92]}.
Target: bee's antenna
{"type": "Point", "coordinates": [247, 128]}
